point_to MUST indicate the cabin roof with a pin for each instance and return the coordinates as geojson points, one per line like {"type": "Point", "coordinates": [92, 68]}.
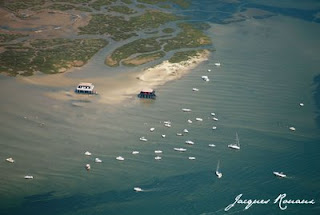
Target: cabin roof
{"type": "Point", "coordinates": [85, 84]}
{"type": "Point", "coordinates": [147, 90]}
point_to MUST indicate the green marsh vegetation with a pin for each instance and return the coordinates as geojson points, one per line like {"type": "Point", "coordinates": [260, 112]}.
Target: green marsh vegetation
{"type": "Point", "coordinates": [48, 56]}
{"type": "Point", "coordinates": [183, 56]}
{"type": "Point", "coordinates": [121, 9]}
{"type": "Point", "coordinates": [135, 47]}
{"type": "Point", "coordinates": [119, 28]}
{"type": "Point", "coordinates": [144, 58]}
{"type": "Point", "coordinates": [4, 38]}
{"type": "Point", "coordinates": [188, 37]}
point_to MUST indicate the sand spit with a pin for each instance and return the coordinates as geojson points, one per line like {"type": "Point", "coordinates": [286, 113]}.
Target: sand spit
{"type": "Point", "coordinates": [115, 89]}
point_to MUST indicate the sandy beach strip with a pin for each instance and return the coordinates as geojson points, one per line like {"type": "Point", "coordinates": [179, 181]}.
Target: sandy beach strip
{"type": "Point", "coordinates": [116, 89]}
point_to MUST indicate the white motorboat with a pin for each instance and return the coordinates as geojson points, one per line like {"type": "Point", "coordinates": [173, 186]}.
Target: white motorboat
{"type": "Point", "coordinates": [166, 122]}
{"type": "Point", "coordinates": [10, 160]}
{"type": "Point", "coordinates": [189, 142]}
{"type": "Point", "coordinates": [292, 128]}
{"type": "Point", "coordinates": [213, 114]}
{"type": "Point", "coordinates": [205, 78]}
{"type": "Point", "coordinates": [137, 189]}
{"type": "Point", "coordinates": [191, 158]}
{"type": "Point", "coordinates": [152, 129]}
{"type": "Point", "coordinates": [218, 174]}
{"type": "Point", "coordinates": [179, 134]}
{"type": "Point", "coordinates": [167, 125]}
{"type": "Point", "coordinates": [189, 121]}
{"type": "Point", "coordinates": [185, 130]}
{"type": "Point", "coordinates": [158, 151]}
{"type": "Point", "coordinates": [87, 153]}
{"type": "Point", "coordinates": [180, 149]}
{"type": "Point", "coordinates": [212, 145]}
{"type": "Point", "coordinates": [235, 145]}
{"type": "Point", "coordinates": [217, 64]}
{"type": "Point", "coordinates": [163, 135]}
{"type": "Point", "coordinates": [88, 167]}
{"type": "Point", "coordinates": [199, 119]}
{"type": "Point", "coordinates": [28, 177]}
{"type": "Point", "coordinates": [135, 152]}
{"type": "Point", "coordinates": [97, 160]}
{"type": "Point", "coordinates": [215, 119]}
{"type": "Point", "coordinates": [214, 127]}
{"type": "Point", "coordinates": [186, 110]}
{"type": "Point", "coordinates": [280, 174]}
{"type": "Point", "coordinates": [143, 139]}
{"type": "Point", "coordinates": [119, 158]}
{"type": "Point", "coordinates": [209, 70]}
{"type": "Point", "coordinates": [301, 104]}
{"type": "Point", "coordinates": [157, 158]}
{"type": "Point", "coordinates": [195, 89]}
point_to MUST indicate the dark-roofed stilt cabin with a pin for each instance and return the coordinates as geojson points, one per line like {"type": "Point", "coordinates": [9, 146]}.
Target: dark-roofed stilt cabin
{"type": "Point", "coordinates": [147, 94]}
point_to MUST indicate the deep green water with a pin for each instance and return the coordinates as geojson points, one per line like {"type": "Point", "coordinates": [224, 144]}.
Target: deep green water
{"type": "Point", "coordinates": [269, 65]}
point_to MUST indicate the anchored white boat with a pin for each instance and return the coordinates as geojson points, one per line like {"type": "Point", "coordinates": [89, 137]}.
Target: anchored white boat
{"type": "Point", "coordinates": [137, 189]}
{"type": "Point", "coordinates": [158, 151]}
{"type": "Point", "coordinates": [195, 89]}
{"type": "Point", "coordinates": [143, 139]}
{"type": "Point", "coordinates": [236, 145]}
{"type": "Point", "coordinates": [119, 158]}
{"type": "Point", "coordinates": [292, 128]}
{"type": "Point", "coordinates": [87, 153]}
{"type": "Point", "coordinates": [97, 160]}
{"type": "Point", "coordinates": [212, 145]}
{"type": "Point", "coordinates": [185, 130]}
{"type": "Point", "coordinates": [186, 110]}
{"type": "Point", "coordinates": [189, 142]}
{"type": "Point", "coordinates": [88, 167]}
{"type": "Point", "coordinates": [209, 70]}
{"type": "Point", "coordinates": [215, 119]}
{"type": "Point", "coordinates": [10, 160]}
{"type": "Point", "coordinates": [218, 174]}
{"type": "Point", "coordinates": [167, 125]}
{"type": "Point", "coordinates": [157, 158]}
{"type": "Point", "coordinates": [152, 129]}
{"type": "Point", "coordinates": [189, 121]}
{"type": "Point", "coordinates": [28, 177]}
{"type": "Point", "coordinates": [163, 135]}
{"type": "Point", "coordinates": [214, 127]}
{"type": "Point", "coordinates": [280, 174]}
{"type": "Point", "coordinates": [180, 149]}
{"type": "Point", "coordinates": [199, 119]}
{"type": "Point", "coordinates": [205, 78]}
{"type": "Point", "coordinates": [179, 134]}
{"type": "Point", "coordinates": [213, 114]}
{"type": "Point", "coordinates": [301, 104]}
{"type": "Point", "coordinates": [191, 158]}
{"type": "Point", "coordinates": [135, 152]}
{"type": "Point", "coordinates": [217, 64]}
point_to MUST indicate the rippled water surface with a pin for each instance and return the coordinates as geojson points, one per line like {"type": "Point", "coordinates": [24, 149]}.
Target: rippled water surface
{"type": "Point", "coordinates": [267, 68]}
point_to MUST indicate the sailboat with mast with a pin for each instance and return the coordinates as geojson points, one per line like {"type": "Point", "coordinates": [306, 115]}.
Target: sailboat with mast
{"type": "Point", "coordinates": [235, 145]}
{"type": "Point", "coordinates": [219, 174]}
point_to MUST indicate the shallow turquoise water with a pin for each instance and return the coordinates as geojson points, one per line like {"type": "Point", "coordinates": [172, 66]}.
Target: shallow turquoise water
{"type": "Point", "coordinates": [266, 72]}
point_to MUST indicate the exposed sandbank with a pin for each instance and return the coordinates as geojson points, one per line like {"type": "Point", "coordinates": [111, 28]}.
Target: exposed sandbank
{"type": "Point", "coordinates": [113, 90]}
